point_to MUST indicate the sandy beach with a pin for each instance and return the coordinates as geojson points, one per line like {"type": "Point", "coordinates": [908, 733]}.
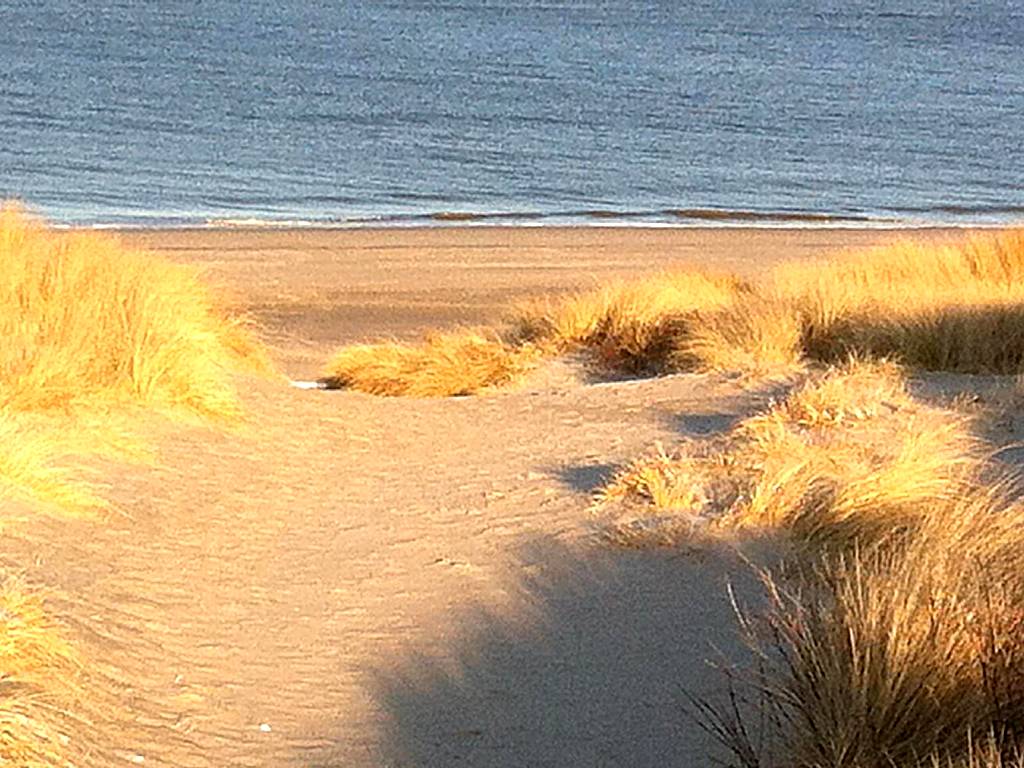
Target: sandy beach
{"type": "Point", "coordinates": [314, 289]}
{"type": "Point", "coordinates": [350, 580]}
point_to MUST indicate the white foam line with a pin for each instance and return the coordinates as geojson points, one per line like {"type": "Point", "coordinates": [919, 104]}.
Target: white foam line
{"type": "Point", "coordinates": [308, 384]}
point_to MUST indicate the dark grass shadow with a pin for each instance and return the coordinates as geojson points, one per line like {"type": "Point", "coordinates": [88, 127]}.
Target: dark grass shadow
{"type": "Point", "coordinates": [593, 668]}
{"type": "Point", "coordinates": [584, 478]}
{"type": "Point", "coordinates": [702, 424]}
{"type": "Point", "coordinates": [964, 339]}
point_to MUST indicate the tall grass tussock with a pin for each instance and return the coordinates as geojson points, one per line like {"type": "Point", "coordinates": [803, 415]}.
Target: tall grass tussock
{"type": "Point", "coordinates": [629, 325]}
{"type": "Point", "coordinates": [85, 321]}
{"type": "Point", "coordinates": [89, 329]}
{"type": "Point", "coordinates": [443, 365]}
{"type": "Point", "coordinates": [907, 656]}
{"type": "Point", "coordinates": [957, 306]}
{"type": "Point", "coordinates": [898, 641]}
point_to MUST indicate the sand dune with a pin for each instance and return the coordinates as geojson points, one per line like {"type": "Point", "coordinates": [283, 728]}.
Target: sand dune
{"type": "Point", "coordinates": [313, 290]}
{"type": "Point", "coordinates": [347, 580]}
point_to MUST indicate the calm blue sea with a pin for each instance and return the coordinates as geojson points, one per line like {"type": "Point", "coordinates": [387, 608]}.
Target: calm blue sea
{"type": "Point", "coordinates": [174, 112]}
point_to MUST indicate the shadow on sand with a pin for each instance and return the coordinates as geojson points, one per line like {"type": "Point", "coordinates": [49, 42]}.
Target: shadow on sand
{"type": "Point", "coordinates": [591, 670]}
{"type": "Point", "coordinates": [584, 478]}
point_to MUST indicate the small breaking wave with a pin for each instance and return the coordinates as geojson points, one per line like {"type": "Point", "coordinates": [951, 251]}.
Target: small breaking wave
{"type": "Point", "coordinates": [945, 215]}
{"type": "Point", "coordinates": [715, 214]}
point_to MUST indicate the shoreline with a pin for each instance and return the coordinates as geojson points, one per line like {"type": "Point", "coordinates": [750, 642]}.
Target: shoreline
{"type": "Point", "coordinates": [456, 221]}
{"type": "Point", "coordinates": [312, 290]}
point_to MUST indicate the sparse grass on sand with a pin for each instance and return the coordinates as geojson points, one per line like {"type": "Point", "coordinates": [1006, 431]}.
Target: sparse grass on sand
{"type": "Point", "coordinates": [39, 685]}
{"type": "Point", "coordinates": [848, 457]}
{"type": "Point", "coordinates": [90, 334]}
{"type": "Point", "coordinates": [897, 641]}
{"type": "Point", "coordinates": [957, 306]}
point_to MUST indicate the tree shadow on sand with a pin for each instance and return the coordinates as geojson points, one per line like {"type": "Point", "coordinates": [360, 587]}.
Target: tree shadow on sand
{"type": "Point", "coordinates": [592, 670]}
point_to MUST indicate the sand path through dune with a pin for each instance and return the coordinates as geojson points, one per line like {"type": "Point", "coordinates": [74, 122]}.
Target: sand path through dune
{"type": "Point", "coordinates": [360, 581]}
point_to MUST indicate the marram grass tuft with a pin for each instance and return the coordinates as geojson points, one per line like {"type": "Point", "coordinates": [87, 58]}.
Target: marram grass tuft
{"type": "Point", "coordinates": [90, 332]}
{"type": "Point", "coordinates": [39, 685]}
{"type": "Point", "coordinates": [953, 306]}
{"type": "Point", "coordinates": [460, 362]}
{"type": "Point", "coordinates": [632, 325]}
{"type": "Point", "coordinates": [86, 322]}
{"type": "Point", "coordinates": [909, 656]}
{"type": "Point", "coordinates": [849, 458]}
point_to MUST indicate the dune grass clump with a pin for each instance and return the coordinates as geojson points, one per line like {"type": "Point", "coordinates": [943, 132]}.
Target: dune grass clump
{"type": "Point", "coordinates": [850, 456]}
{"type": "Point", "coordinates": [461, 362]}
{"type": "Point", "coordinates": [88, 330]}
{"type": "Point", "coordinates": [954, 306]}
{"type": "Point", "coordinates": [39, 688]}
{"type": "Point", "coordinates": [909, 656]}
{"type": "Point", "coordinates": [761, 334]}
{"type": "Point", "coordinates": [656, 324]}
{"type": "Point", "coordinates": [86, 322]}
{"type": "Point", "coordinates": [629, 325]}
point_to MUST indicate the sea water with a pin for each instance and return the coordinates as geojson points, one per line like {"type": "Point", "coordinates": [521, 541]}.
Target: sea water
{"type": "Point", "coordinates": [183, 112]}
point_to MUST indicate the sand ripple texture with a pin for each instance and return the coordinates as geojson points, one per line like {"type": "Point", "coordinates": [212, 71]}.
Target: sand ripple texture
{"type": "Point", "coordinates": [354, 581]}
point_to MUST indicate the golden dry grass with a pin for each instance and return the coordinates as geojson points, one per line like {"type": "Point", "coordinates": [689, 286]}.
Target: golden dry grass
{"type": "Point", "coordinates": [39, 685]}
{"type": "Point", "coordinates": [907, 656]}
{"type": "Point", "coordinates": [761, 334]}
{"type": "Point", "coordinates": [955, 307]}
{"type": "Point", "coordinates": [633, 325]}
{"type": "Point", "coordinates": [87, 322]}
{"type": "Point", "coordinates": [669, 321]}
{"type": "Point", "coordinates": [849, 456]}
{"type": "Point", "coordinates": [902, 645]}
{"type": "Point", "coordinates": [90, 331]}
{"type": "Point", "coordinates": [461, 362]}
{"type": "Point", "coordinates": [31, 470]}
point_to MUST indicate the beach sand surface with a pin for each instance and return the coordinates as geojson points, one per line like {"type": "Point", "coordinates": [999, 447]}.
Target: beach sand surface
{"type": "Point", "coordinates": [358, 581]}
{"type": "Point", "coordinates": [312, 290]}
